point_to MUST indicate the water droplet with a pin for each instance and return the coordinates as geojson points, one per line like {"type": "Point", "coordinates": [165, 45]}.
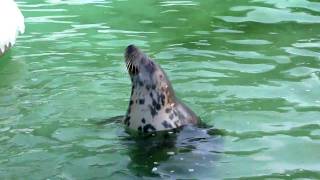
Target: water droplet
{"type": "Point", "coordinates": [154, 169]}
{"type": "Point", "coordinates": [190, 170]}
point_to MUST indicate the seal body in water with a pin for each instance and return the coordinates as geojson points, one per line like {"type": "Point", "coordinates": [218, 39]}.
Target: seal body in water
{"type": "Point", "coordinates": [153, 105]}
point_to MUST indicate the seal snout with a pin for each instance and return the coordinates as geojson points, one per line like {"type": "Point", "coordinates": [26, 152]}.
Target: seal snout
{"type": "Point", "coordinates": [131, 49]}
{"type": "Point", "coordinates": [131, 54]}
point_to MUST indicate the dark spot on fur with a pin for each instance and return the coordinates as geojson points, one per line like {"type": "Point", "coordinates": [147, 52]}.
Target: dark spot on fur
{"type": "Point", "coordinates": [162, 97]}
{"type": "Point", "coordinates": [158, 97]}
{"type": "Point", "coordinates": [153, 86]}
{"type": "Point", "coordinates": [140, 129]}
{"type": "Point", "coordinates": [141, 101]}
{"type": "Point", "coordinates": [148, 87]}
{"type": "Point", "coordinates": [168, 110]}
{"type": "Point", "coordinates": [171, 116]}
{"type": "Point", "coordinates": [151, 95]}
{"type": "Point", "coordinates": [140, 83]}
{"type": "Point", "coordinates": [158, 107]}
{"type": "Point", "coordinates": [143, 120]}
{"type": "Point", "coordinates": [136, 101]}
{"type": "Point", "coordinates": [166, 124]}
{"type": "Point", "coordinates": [154, 103]}
{"type": "Point", "coordinates": [152, 111]}
{"type": "Point", "coordinates": [148, 128]}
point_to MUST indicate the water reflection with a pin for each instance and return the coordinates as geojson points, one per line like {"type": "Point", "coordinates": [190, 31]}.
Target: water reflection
{"type": "Point", "coordinates": [184, 154]}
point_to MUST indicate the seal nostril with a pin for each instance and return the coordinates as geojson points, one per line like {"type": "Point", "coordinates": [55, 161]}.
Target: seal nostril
{"type": "Point", "coordinates": [130, 49]}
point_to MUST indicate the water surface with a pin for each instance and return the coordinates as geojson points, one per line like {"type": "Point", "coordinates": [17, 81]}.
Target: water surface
{"type": "Point", "coordinates": [248, 67]}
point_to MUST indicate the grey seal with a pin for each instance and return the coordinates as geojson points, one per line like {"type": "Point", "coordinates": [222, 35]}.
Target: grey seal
{"type": "Point", "coordinates": [153, 105]}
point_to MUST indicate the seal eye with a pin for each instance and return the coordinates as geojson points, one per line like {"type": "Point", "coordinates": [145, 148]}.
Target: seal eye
{"type": "Point", "coordinates": [150, 66]}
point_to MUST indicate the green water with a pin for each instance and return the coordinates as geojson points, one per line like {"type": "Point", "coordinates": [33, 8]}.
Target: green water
{"type": "Point", "coordinates": [248, 67]}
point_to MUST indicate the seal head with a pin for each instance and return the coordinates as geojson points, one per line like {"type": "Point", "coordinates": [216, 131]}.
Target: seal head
{"type": "Point", "coordinates": [153, 105]}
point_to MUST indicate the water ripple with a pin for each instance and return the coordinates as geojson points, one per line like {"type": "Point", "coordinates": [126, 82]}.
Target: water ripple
{"type": "Point", "coordinates": [269, 15]}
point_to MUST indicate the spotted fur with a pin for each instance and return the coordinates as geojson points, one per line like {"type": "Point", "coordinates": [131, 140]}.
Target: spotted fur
{"type": "Point", "coordinates": [153, 105]}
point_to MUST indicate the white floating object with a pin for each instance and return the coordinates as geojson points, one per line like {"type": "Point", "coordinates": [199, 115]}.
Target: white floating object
{"type": "Point", "coordinates": [11, 24]}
